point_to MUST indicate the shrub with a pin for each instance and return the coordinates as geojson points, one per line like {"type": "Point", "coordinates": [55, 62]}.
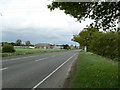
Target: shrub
{"type": "Point", "coordinates": [106, 44]}
{"type": "Point", "coordinates": [8, 48]}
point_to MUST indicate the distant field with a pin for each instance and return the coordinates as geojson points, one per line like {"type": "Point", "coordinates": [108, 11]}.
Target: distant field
{"type": "Point", "coordinates": [26, 51]}
{"type": "Point", "coordinates": [94, 71]}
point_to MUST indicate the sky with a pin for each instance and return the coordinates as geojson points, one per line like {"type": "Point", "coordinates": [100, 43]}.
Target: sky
{"type": "Point", "coordinates": [32, 20]}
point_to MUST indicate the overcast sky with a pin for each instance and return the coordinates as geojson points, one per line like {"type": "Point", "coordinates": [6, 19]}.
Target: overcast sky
{"type": "Point", "coordinates": [32, 20]}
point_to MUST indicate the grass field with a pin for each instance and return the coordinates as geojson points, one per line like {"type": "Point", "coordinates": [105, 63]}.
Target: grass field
{"type": "Point", "coordinates": [26, 51]}
{"type": "Point", "coordinates": [94, 71]}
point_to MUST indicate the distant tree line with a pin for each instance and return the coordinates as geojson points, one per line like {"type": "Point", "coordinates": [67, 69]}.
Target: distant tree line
{"type": "Point", "coordinates": [102, 43]}
{"type": "Point", "coordinates": [18, 43]}
{"type": "Point", "coordinates": [9, 47]}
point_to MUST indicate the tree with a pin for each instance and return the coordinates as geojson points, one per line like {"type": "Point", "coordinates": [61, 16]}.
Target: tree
{"type": "Point", "coordinates": [105, 14]}
{"type": "Point", "coordinates": [18, 42]}
{"type": "Point", "coordinates": [101, 43]}
{"type": "Point", "coordinates": [27, 43]}
{"type": "Point", "coordinates": [106, 44]}
{"type": "Point", "coordinates": [84, 37]}
{"type": "Point", "coordinates": [66, 46]}
{"type": "Point", "coordinates": [4, 43]}
{"type": "Point", "coordinates": [12, 43]}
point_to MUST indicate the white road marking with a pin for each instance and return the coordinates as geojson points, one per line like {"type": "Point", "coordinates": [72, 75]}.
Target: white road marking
{"type": "Point", "coordinates": [3, 69]}
{"type": "Point", "coordinates": [16, 58]}
{"type": "Point", "coordinates": [40, 59]}
{"type": "Point", "coordinates": [70, 66]}
{"type": "Point", "coordinates": [52, 73]}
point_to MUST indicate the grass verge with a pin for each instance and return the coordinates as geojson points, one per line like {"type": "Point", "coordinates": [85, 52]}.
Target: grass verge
{"type": "Point", "coordinates": [27, 51]}
{"type": "Point", "coordinates": [94, 71]}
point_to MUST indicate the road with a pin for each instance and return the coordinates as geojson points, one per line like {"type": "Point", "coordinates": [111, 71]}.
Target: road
{"type": "Point", "coordinates": [47, 70]}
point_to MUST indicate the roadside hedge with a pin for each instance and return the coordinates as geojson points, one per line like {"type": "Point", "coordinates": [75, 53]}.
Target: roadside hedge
{"type": "Point", "coordinates": [106, 44]}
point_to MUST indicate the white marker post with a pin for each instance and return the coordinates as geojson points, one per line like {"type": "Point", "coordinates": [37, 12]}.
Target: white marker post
{"type": "Point", "coordinates": [85, 48]}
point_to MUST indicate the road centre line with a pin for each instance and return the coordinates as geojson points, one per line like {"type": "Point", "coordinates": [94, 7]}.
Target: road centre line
{"type": "Point", "coordinates": [3, 69]}
{"type": "Point", "coordinates": [52, 73]}
{"type": "Point", "coordinates": [25, 57]}
{"type": "Point", "coordinates": [40, 59]}
{"type": "Point", "coordinates": [21, 58]}
{"type": "Point", "coordinates": [16, 58]}
{"type": "Point", "coordinates": [53, 55]}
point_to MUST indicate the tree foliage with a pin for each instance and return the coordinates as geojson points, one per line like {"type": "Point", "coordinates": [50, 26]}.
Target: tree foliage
{"type": "Point", "coordinates": [101, 43]}
{"type": "Point", "coordinates": [18, 42]}
{"type": "Point", "coordinates": [27, 43]}
{"type": "Point", "coordinates": [105, 14]}
{"type": "Point", "coordinates": [4, 43]}
{"type": "Point", "coordinates": [106, 44]}
{"type": "Point", "coordinates": [12, 43]}
{"type": "Point", "coordinates": [85, 36]}
{"type": "Point", "coordinates": [66, 46]}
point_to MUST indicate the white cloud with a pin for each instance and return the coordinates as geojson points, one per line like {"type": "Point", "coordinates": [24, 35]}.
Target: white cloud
{"type": "Point", "coordinates": [33, 17]}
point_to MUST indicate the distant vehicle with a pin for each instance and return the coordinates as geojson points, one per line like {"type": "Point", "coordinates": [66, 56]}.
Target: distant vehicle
{"type": "Point", "coordinates": [31, 47]}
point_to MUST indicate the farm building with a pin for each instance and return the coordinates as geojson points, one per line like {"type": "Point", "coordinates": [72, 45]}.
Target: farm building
{"type": "Point", "coordinates": [43, 45]}
{"type": "Point", "coordinates": [48, 46]}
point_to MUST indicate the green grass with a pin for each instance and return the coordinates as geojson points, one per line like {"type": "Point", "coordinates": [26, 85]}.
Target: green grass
{"type": "Point", "coordinates": [27, 51]}
{"type": "Point", "coordinates": [94, 71]}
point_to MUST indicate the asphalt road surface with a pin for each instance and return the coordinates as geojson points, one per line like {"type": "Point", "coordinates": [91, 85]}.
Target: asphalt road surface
{"type": "Point", "coordinates": [47, 70]}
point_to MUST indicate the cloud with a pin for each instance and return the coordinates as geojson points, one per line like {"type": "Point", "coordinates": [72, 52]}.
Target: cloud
{"type": "Point", "coordinates": [32, 20]}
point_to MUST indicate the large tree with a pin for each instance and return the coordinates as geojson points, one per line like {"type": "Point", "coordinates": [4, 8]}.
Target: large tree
{"type": "Point", "coordinates": [85, 36]}
{"type": "Point", "coordinates": [27, 43]}
{"type": "Point", "coordinates": [105, 14]}
{"type": "Point", "coordinates": [18, 42]}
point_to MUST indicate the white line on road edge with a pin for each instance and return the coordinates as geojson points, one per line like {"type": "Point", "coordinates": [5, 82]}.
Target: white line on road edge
{"type": "Point", "coordinates": [52, 73]}
{"type": "Point", "coordinates": [40, 59]}
{"type": "Point", "coordinates": [3, 69]}
{"type": "Point", "coordinates": [71, 66]}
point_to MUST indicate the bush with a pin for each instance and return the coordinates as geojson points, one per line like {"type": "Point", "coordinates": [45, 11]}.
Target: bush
{"type": "Point", "coordinates": [105, 44]}
{"type": "Point", "coordinates": [8, 48]}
